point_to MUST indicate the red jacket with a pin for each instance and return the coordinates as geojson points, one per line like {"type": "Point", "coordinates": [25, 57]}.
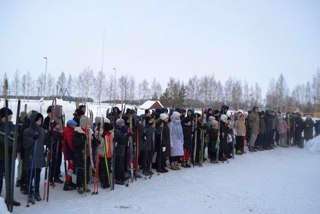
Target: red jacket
{"type": "Point", "coordinates": [67, 144]}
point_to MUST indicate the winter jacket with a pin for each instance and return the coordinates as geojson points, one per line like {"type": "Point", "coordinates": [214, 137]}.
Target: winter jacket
{"type": "Point", "coordinates": [81, 142]}
{"type": "Point", "coordinates": [240, 127]}
{"type": "Point", "coordinates": [120, 140]}
{"type": "Point", "coordinates": [187, 134]}
{"type": "Point", "coordinates": [29, 144]}
{"type": "Point", "coordinates": [68, 148]}
{"type": "Point", "coordinates": [105, 147]}
{"type": "Point", "coordinates": [282, 126]}
{"type": "Point", "coordinates": [254, 123]}
{"type": "Point", "coordinates": [148, 138]}
{"type": "Point", "coordinates": [262, 126]}
{"type": "Point", "coordinates": [308, 128]}
{"type": "Point", "coordinates": [10, 133]}
{"type": "Point", "coordinates": [166, 139]}
{"type": "Point", "coordinates": [176, 137]}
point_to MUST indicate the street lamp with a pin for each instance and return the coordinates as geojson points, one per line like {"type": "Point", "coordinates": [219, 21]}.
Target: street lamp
{"type": "Point", "coordinates": [45, 73]}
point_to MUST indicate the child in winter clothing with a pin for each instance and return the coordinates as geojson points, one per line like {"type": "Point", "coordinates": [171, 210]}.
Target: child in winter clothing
{"type": "Point", "coordinates": [104, 151]}
{"type": "Point", "coordinates": [33, 143]}
{"type": "Point", "coordinates": [68, 153]}
{"type": "Point", "coordinates": [82, 147]}
{"type": "Point", "coordinates": [213, 133]}
{"type": "Point", "coordinates": [240, 131]}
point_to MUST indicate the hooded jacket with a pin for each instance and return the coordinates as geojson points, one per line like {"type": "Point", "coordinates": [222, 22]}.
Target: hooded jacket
{"type": "Point", "coordinates": [30, 144]}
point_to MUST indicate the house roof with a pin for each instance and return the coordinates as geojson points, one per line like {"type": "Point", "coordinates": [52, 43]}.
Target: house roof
{"type": "Point", "coordinates": [148, 104]}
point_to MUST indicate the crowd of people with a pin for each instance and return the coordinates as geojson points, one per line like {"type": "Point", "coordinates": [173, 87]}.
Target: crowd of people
{"type": "Point", "coordinates": [123, 145]}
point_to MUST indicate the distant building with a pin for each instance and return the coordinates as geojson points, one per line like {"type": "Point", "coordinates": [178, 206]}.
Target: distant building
{"type": "Point", "coordinates": [150, 104]}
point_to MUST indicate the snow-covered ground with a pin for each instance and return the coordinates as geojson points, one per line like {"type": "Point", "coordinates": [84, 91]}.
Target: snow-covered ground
{"type": "Point", "coordinates": [283, 180]}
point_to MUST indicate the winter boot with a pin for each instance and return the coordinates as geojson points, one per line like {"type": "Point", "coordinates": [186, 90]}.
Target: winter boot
{"type": "Point", "coordinates": [37, 197]}
{"type": "Point", "coordinates": [69, 186]}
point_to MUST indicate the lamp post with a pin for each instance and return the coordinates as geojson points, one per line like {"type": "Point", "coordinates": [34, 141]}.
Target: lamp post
{"type": "Point", "coordinates": [45, 74]}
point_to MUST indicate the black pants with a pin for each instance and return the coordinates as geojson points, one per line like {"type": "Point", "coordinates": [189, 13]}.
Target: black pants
{"type": "Point", "coordinates": [147, 159]}
{"type": "Point", "coordinates": [120, 167]}
{"type": "Point", "coordinates": [239, 143]}
{"type": "Point", "coordinates": [55, 166]}
{"type": "Point", "coordinates": [2, 172]}
{"type": "Point", "coordinates": [103, 173]}
{"type": "Point", "coordinates": [34, 177]}
{"type": "Point", "coordinates": [80, 174]}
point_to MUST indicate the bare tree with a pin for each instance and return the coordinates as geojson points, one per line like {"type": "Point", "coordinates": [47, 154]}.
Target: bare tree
{"type": "Point", "coordinates": [271, 96]}
{"type": "Point", "coordinates": [16, 80]}
{"type": "Point", "coordinates": [281, 90]}
{"type": "Point", "coordinates": [50, 86]}
{"type": "Point", "coordinates": [132, 88]}
{"type": "Point", "coordinates": [70, 84]}
{"type": "Point", "coordinates": [124, 87]}
{"type": "Point", "coordinates": [316, 87]}
{"type": "Point", "coordinates": [86, 79]}
{"type": "Point", "coordinates": [40, 85]}
{"type": "Point", "coordinates": [61, 83]}
{"type": "Point", "coordinates": [109, 88]}
{"type": "Point", "coordinates": [5, 87]}
{"type": "Point", "coordinates": [156, 89]}
{"type": "Point", "coordinates": [99, 83]}
{"type": "Point", "coordinates": [144, 90]}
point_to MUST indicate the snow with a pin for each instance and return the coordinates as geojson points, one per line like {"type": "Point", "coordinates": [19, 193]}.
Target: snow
{"type": "Point", "coordinates": [313, 145]}
{"type": "Point", "coordinates": [282, 180]}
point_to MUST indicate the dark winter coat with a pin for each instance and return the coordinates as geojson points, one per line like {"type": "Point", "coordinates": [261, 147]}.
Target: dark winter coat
{"type": "Point", "coordinates": [81, 138]}
{"type": "Point", "coordinates": [148, 138]}
{"type": "Point", "coordinates": [11, 128]}
{"type": "Point", "coordinates": [166, 139]}
{"type": "Point", "coordinates": [187, 135]}
{"type": "Point", "coordinates": [29, 144]}
{"type": "Point", "coordinates": [308, 128]}
{"type": "Point", "coordinates": [262, 126]}
{"type": "Point", "coordinates": [120, 141]}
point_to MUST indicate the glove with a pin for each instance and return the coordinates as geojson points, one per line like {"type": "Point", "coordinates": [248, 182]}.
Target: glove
{"type": "Point", "coordinates": [163, 149]}
{"type": "Point", "coordinates": [36, 136]}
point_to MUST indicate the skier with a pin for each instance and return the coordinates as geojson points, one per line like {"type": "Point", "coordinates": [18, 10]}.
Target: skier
{"type": "Point", "coordinates": [120, 141]}
{"type": "Point", "coordinates": [54, 143]}
{"type": "Point", "coordinates": [82, 142]}
{"type": "Point", "coordinates": [10, 133]}
{"type": "Point", "coordinates": [104, 151]}
{"type": "Point", "coordinates": [68, 153]}
{"type": "Point", "coordinates": [33, 143]}
{"type": "Point", "coordinates": [148, 144]}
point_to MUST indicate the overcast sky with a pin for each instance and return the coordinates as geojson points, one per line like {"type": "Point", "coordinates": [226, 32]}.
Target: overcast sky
{"type": "Point", "coordinates": [249, 40]}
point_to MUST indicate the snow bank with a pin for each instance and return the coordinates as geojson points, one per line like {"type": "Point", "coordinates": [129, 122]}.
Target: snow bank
{"type": "Point", "coordinates": [313, 145]}
{"type": "Point", "coordinates": [3, 206]}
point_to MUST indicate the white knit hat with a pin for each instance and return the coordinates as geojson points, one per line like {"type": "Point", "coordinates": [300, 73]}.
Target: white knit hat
{"type": "Point", "coordinates": [164, 116]}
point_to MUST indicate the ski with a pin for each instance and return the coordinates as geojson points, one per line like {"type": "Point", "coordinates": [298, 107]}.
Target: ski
{"type": "Point", "coordinates": [13, 160]}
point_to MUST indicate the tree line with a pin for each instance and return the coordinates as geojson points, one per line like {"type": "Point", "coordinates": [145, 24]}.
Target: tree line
{"type": "Point", "coordinates": [197, 92]}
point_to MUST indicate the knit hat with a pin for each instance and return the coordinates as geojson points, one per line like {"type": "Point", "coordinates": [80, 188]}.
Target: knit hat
{"type": "Point", "coordinates": [84, 121]}
{"type": "Point", "coordinates": [120, 122]}
{"type": "Point", "coordinates": [107, 127]}
{"type": "Point", "coordinates": [163, 116]}
{"type": "Point", "coordinates": [224, 118]}
{"type": "Point", "coordinates": [3, 112]}
{"type": "Point", "coordinates": [72, 123]}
